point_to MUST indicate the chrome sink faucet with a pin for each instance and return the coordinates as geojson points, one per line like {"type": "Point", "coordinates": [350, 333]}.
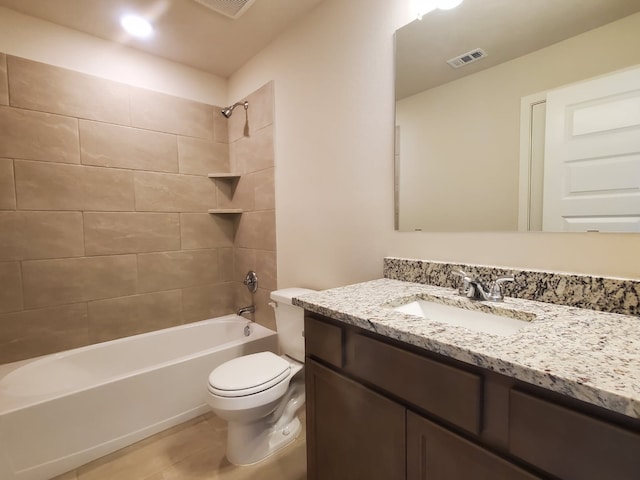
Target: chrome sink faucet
{"type": "Point", "coordinates": [476, 290]}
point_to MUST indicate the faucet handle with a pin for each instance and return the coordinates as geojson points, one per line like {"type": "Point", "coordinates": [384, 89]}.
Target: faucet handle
{"type": "Point", "coordinates": [251, 281]}
{"type": "Point", "coordinates": [495, 295]}
{"type": "Point", "coordinates": [465, 281]}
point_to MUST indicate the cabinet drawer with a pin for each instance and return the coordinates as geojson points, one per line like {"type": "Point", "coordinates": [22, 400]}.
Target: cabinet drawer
{"type": "Point", "coordinates": [433, 452]}
{"type": "Point", "coordinates": [323, 341]}
{"type": "Point", "coordinates": [568, 444]}
{"type": "Point", "coordinates": [447, 392]}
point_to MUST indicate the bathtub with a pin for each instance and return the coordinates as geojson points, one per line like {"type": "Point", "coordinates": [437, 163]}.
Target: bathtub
{"type": "Point", "coordinates": [63, 410]}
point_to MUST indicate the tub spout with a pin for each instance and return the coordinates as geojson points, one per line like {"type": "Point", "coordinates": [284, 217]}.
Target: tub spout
{"type": "Point", "coordinates": [249, 309]}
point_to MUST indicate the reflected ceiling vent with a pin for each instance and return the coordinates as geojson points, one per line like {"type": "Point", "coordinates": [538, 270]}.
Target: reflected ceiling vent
{"type": "Point", "coordinates": [467, 58]}
{"type": "Point", "coordinates": [229, 8]}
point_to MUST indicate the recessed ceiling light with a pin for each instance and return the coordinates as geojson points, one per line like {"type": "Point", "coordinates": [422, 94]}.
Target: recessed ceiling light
{"type": "Point", "coordinates": [136, 26]}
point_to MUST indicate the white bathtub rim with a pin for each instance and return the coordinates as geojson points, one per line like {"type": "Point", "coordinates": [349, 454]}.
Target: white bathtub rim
{"type": "Point", "coordinates": [7, 368]}
{"type": "Point", "coordinates": [12, 403]}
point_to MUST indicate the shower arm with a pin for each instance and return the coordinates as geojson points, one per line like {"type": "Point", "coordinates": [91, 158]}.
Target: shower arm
{"type": "Point", "coordinates": [227, 111]}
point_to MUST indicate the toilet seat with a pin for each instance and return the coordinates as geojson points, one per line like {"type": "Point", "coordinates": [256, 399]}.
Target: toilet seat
{"type": "Point", "coordinates": [248, 375]}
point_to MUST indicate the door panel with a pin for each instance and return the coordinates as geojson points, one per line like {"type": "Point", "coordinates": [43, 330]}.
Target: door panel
{"type": "Point", "coordinates": [592, 155]}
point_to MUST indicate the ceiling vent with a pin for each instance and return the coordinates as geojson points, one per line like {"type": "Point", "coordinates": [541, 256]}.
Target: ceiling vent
{"type": "Point", "coordinates": [229, 8]}
{"type": "Point", "coordinates": [467, 58]}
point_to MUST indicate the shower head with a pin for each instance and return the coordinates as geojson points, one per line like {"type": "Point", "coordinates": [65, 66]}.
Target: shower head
{"type": "Point", "coordinates": [227, 111]}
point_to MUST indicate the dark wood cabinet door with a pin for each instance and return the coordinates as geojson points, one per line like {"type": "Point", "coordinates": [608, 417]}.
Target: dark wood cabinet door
{"type": "Point", "coordinates": [352, 432]}
{"type": "Point", "coordinates": [434, 453]}
{"type": "Point", "coordinates": [569, 444]}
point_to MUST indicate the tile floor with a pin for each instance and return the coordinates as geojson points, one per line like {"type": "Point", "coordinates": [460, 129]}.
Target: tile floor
{"type": "Point", "coordinates": [192, 450]}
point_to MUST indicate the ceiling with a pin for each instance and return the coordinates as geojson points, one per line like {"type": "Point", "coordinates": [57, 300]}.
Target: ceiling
{"type": "Point", "coordinates": [185, 31]}
{"type": "Point", "coordinates": [505, 29]}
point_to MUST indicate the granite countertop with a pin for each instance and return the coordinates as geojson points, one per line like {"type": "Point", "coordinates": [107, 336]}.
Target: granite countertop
{"type": "Point", "coordinates": [585, 354]}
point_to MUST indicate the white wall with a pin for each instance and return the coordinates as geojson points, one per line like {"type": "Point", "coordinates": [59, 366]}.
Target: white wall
{"type": "Point", "coordinates": [333, 74]}
{"type": "Point", "coordinates": [35, 39]}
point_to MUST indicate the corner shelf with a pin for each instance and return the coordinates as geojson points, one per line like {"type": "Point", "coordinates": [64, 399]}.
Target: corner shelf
{"type": "Point", "coordinates": [225, 211]}
{"type": "Point", "coordinates": [231, 176]}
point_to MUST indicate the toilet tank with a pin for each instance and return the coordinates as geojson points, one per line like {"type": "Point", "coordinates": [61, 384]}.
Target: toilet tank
{"type": "Point", "coordinates": [290, 321]}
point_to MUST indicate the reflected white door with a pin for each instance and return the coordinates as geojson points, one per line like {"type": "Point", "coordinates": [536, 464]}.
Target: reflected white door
{"type": "Point", "coordinates": [592, 155]}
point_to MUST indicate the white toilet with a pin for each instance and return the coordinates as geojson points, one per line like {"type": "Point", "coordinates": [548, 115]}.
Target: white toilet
{"type": "Point", "coordinates": [258, 394]}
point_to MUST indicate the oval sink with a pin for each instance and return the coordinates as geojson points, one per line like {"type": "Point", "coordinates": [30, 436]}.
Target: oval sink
{"type": "Point", "coordinates": [491, 323]}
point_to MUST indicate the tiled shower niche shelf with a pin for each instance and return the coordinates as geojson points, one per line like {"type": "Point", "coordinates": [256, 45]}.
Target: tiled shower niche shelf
{"type": "Point", "coordinates": [231, 176]}
{"type": "Point", "coordinates": [225, 211]}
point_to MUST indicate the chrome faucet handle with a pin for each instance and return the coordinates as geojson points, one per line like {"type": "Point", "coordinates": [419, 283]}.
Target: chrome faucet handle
{"type": "Point", "coordinates": [251, 281]}
{"type": "Point", "coordinates": [465, 281]}
{"type": "Point", "coordinates": [495, 295]}
{"type": "Point", "coordinates": [477, 290]}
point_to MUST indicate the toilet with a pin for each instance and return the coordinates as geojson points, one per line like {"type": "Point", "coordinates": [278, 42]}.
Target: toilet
{"type": "Point", "coordinates": [260, 394]}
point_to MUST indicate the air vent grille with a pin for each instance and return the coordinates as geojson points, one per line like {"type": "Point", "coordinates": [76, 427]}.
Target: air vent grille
{"type": "Point", "coordinates": [467, 58]}
{"type": "Point", "coordinates": [229, 8]}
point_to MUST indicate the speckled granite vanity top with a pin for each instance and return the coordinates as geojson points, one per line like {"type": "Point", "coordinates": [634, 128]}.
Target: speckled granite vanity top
{"type": "Point", "coordinates": [586, 354]}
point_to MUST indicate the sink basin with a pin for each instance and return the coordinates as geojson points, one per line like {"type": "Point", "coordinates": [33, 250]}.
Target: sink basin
{"type": "Point", "coordinates": [476, 320]}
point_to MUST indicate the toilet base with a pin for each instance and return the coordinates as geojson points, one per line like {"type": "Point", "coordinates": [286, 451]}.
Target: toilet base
{"type": "Point", "coordinates": [251, 443]}
{"type": "Point", "coordinates": [257, 433]}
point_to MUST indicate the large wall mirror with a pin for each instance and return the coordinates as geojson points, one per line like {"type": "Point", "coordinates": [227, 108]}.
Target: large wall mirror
{"type": "Point", "coordinates": [473, 143]}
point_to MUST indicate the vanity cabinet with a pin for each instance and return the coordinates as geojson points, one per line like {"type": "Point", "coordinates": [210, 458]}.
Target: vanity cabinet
{"type": "Point", "coordinates": [381, 409]}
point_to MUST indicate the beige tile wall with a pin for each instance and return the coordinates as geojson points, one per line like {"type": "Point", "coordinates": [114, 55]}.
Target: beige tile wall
{"type": "Point", "coordinates": [4, 87]}
{"type": "Point", "coordinates": [40, 87]}
{"type": "Point", "coordinates": [7, 185]}
{"type": "Point", "coordinates": [104, 230]}
{"type": "Point", "coordinates": [252, 155]}
{"type": "Point", "coordinates": [38, 136]}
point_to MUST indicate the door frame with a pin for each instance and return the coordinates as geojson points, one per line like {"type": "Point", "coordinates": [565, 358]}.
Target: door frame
{"type": "Point", "coordinates": [527, 103]}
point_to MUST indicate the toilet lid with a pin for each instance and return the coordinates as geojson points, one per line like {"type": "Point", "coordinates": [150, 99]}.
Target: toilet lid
{"type": "Point", "coordinates": [248, 374]}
